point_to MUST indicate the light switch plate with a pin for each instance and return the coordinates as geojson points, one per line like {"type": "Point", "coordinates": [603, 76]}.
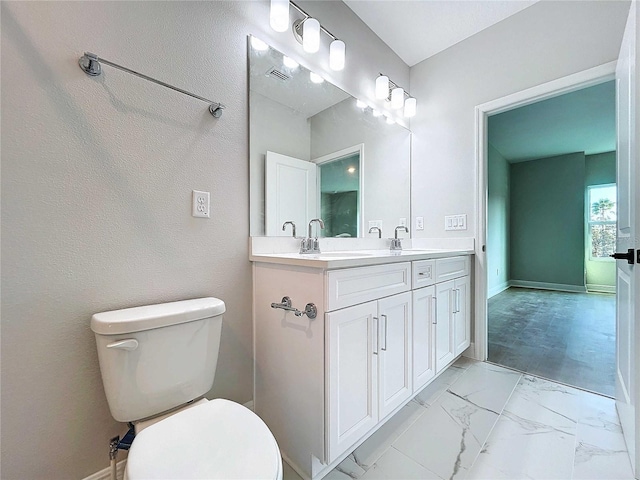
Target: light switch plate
{"type": "Point", "coordinates": [455, 222]}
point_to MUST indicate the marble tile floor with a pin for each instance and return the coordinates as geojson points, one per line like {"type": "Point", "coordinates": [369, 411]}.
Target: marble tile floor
{"type": "Point", "coordinates": [482, 421]}
{"type": "Point", "coordinates": [566, 337]}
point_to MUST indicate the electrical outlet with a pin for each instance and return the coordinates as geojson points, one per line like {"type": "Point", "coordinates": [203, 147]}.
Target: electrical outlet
{"type": "Point", "coordinates": [419, 223]}
{"type": "Point", "coordinates": [200, 207]}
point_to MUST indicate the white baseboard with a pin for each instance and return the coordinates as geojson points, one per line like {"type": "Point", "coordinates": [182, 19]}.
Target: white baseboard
{"type": "Point", "coordinates": [561, 287]}
{"type": "Point", "coordinates": [105, 473]}
{"type": "Point", "coordinates": [470, 352]}
{"type": "Point", "coordinates": [498, 289]}
{"type": "Point", "coordinates": [601, 288]}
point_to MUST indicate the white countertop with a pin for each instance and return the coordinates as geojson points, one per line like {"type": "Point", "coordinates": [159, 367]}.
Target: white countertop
{"type": "Point", "coordinates": [355, 258]}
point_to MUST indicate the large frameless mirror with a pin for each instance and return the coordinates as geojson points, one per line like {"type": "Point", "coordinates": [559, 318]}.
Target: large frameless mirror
{"type": "Point", "coordinates": [314, 153]}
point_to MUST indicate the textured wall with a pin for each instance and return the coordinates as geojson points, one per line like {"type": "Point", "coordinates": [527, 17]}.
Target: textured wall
{"type": "Point", "coordinates": [543, 42]}
{"type": "Point", "coordinates": [97, 176]}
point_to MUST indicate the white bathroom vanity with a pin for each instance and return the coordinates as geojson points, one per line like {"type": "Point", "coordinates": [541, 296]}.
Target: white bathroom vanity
{"type": "Point", "coordinates": [387, 324]}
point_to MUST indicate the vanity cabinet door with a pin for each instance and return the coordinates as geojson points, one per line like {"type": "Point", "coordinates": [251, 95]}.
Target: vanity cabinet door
{"type": "Point", "coordinates": [394, 357]}
{"type": "Point", "coordinates": [423, 319]}
{"type": "Point", "coordinates": [462, 317]}
{"type": "Point", "coordinates": [444, 324]}
{"type": "Point", "coordinates": [352, 375]}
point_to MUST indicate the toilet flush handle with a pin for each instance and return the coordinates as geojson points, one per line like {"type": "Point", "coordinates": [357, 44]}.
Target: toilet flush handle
{"type": "Point", "coordinates": [128, 344]}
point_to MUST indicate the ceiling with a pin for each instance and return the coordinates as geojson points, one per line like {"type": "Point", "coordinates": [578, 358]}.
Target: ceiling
{"type": "Point", "coordinates": [417, 29]}
{"type": "Point", "coordinates": [580, 121]}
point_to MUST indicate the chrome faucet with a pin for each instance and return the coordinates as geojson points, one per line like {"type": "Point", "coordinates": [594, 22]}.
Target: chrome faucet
{"type": "Point", "coordinates": [378, 229]}
{"type": "Point", "coordinates": [309, 244]}
{"type": "Point", "coordinates": [293, 228]}
{"type": "Point", "coordinates": [396, 242]}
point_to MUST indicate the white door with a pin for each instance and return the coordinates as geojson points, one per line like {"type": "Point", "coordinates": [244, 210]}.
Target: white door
{"type": "Point", "coordinates": [627, 182]}
{"type": "Point", "coordinates": [444, 324]}
{"type": "Point", "coordinates": [423, 318]}
{"type": "Point", "coordinates": [290, 193]}
{"type": "Point", "coordinates": [352, 366]}
{"type": "Point", "coordinates": [462, 317]}
{"type": "Point", "coordinates": [394, 358]}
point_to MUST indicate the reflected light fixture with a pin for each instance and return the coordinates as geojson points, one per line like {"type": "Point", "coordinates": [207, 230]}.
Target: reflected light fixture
{"type": "Point", "coordinates": [258, 44]}
{"type": "Point", "coordinates": [289, 62]}
{"type": "Point", "coordinates": [397, 98]}
{"type": "Point", "coordinates": [351, 169]}
{"type": "Point", "coordinates": [337, 55]}
{"type": "Point", "coordinates": [279, 15]}
{"type": "Point", "coordinates": [315, 78]}
{"type": "Point", "coordinates": [382, 87]}
{"type": "Point", "coordinates": [410, 105]}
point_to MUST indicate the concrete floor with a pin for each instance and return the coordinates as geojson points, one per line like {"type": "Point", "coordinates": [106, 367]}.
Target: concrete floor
{"type": "Point", "coordinates": [565, 337]}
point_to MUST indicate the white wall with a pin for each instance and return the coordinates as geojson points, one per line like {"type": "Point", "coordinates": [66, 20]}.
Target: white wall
{"type": "Point", "coordinates": [97, 176]}
{"type": "Point", "coordinates": [497, 222]}
{"type": "Point", "coordinates": [544, 42]}
{"type": "Point", "coordinates": [275, 128]}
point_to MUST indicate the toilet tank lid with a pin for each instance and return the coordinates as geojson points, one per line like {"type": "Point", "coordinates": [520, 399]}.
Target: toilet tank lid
{"type": "Point", "coordinates": [138, 319]}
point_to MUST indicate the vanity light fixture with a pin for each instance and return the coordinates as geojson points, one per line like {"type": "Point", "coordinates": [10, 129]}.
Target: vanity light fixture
{"type": "Point", "coordinates": [398, 96]}
{"type": "Point", "coordinates": [279, 15]}
{"type": "Point", "coordinates": [258, 44]}
{"type": "Point", "coordinates": [290, 62]}
{"type": "Point", "coordinates": [410, 107]}
{"type": "Point", "coordinates": [315, 78]}
{"type": "Point", "coordinates": [382, 87]}
{"type": "Point", "coordinates": [307, 31]}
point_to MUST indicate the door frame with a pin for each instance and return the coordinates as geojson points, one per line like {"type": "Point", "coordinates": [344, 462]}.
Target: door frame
{"type": "Point", "coordinates": [554, 88]}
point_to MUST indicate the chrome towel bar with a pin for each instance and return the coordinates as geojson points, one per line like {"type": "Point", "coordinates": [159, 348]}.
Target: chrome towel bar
{"type": "Point", "coordinates": [90, 64]}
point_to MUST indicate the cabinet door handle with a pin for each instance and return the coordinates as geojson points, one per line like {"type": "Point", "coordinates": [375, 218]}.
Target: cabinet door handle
{"type": "Point", "coordinates": [375, 335]}
{"type": "Point", "coordinates": [457, 300]}
{"type": "Point", "coordinates": [435, 310]}
{"type": "Point", "coordinates": [385, 334]}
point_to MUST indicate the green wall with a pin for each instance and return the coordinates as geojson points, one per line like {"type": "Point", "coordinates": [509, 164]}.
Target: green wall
{"type": "Point", "coordinates": [497, 223]}
{"type": "Point", "coordinates": [548, 221]}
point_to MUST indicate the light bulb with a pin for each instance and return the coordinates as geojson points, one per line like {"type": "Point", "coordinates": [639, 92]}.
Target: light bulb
{"type": "Point", "coordinates": [259, 44]}
{"type": "Point", "coordinates": [290, 62]}
{"type": "Point", "coordinates": [397, 97]}
{"type": "Point", "coordinates": [382, 87]}
{"type": "Point", "coordinates": [279, 15]}
{"type": "Point", "coordinates": [337, 55]}
{"type": "Point", "coordinates": [361, 104]}
{"type": "Point", "coordinates": [315, 78]}
{"type": "Point", "coordinates": [410, 105]}
{"type": "Point", "coordinates": [351, 169]}
{"type": "Point", "coordinates": [311, 35]}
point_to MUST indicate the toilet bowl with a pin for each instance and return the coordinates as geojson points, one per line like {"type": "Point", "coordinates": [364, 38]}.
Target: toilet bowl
{"type": "Point", "coordinates": [157, 362]}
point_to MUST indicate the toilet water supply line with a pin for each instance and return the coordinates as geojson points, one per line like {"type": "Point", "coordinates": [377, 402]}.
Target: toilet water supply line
{"type": "Point", "coordinates": [116, 444]}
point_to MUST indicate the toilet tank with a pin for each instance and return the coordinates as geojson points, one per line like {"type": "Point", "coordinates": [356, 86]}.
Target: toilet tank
{"type": "Point", "coordinates": [157, 357]}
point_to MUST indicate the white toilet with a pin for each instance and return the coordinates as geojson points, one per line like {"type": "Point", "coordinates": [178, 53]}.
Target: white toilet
{"type": "Point", "coordinates": [157, 362]}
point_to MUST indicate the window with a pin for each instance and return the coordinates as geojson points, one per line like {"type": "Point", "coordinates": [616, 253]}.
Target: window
{"type": "Point", "coordinates": [602, 221]}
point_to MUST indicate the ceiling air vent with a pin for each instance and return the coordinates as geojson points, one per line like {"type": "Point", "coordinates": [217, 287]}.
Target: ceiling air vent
{"type": "Point", "coordinates": [277, 74]}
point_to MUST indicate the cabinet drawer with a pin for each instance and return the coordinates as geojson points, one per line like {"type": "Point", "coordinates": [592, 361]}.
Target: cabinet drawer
{"type": "Point", "coordinates": [424, 273]}
{"type": "Point", "coordinates": [358, 285]}
{"type": "Point", "coordinates": [449, 268]}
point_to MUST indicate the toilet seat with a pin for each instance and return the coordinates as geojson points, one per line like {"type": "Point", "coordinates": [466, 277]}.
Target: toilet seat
{"type": "Point", "coordinates": [219, 439]}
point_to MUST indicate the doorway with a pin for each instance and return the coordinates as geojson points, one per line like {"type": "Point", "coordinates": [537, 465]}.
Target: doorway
{"type": "Point", "coordinates": [547, 163]}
